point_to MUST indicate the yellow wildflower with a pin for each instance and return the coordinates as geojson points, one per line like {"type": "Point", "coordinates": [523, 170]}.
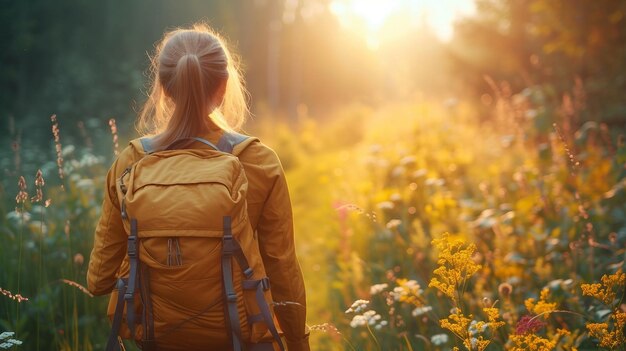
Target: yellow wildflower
{"type": "Point", "coordinates": [607, 290]}
{"type": "Point", "coordinates": [530, 342]}
{"type": "Point", "coordinates": [456, 265]}
{"type": "Point", "coordinates": [562, 332]}
{"type": "Point", "coordinates": [610, 338]}
{"type": "Point", "coordinates": [458, 324]}
{"type": "Point", "coordinates": [542, 306]}
{"type": "Point", "coordinates": [493, 314]}
{"type": "Point", "coordinates": [408, 291]}
{"type": "Point", "coordinates": [469, 330]}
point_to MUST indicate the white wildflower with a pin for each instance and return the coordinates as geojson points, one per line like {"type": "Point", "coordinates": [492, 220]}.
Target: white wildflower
{"type": "Point", "coordinates": [358, 306]}
{"type": "Point", "coordinates": [421, 310]}
{"type": "Point", "coordinates": [378, 288]}
{"type": "Point", "coordinates": [394, 223]}
{"type": "Point", "coordinates": [439, 339]}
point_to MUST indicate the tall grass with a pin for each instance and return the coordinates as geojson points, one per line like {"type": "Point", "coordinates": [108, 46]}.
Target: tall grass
{"type": "Point", "coordinates": [44, 241]}
{"type": "Point", "coordinates": [540, 198]}
{"type": "Point", "coordinates": [420, 226]}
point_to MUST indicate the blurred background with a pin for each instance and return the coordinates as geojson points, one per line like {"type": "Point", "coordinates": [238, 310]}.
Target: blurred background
{"type": "Point", "coordinates": [396, 121]}
{"type": "Point", "coordinates": [87, 61]}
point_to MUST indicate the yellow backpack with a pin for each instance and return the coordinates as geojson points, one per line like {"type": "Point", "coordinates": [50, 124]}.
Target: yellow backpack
{"type": "Point", "coordinates": [195, 265]}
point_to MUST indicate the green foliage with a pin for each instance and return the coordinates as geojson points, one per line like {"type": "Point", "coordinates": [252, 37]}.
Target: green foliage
{"type": "Point", "coordinates": [543, 205]}
{"type": "Point", "coordinates": [46, 244]}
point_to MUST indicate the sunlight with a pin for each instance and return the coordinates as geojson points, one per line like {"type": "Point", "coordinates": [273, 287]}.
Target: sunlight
{"type": "Point", "coordinates": [369, 16]}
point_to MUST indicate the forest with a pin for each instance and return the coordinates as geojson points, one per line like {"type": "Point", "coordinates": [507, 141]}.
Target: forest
{"type": "Point", "coordinates": [457, 169]}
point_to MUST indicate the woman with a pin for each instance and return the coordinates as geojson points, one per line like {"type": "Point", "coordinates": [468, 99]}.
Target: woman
{"type": "Point", "coordinates": [197, 92]}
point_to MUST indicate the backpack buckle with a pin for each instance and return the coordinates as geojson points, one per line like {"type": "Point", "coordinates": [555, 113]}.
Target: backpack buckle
{"type": "Point", "coordinates": [228, 247]}
{"type": "Point", "coordinates": [248, 273]}
{"type": "Point", "coordinates": [265, 283]}
{"type": "Point", "coordinates": [132, 246]}
{"type": "Point", "coordinates": [231, 297]}
{"type": "Point", "coordinates": [124, 213]}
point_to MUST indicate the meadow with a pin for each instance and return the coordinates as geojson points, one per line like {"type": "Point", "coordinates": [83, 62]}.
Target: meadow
{"type": "Point", "coordinates": [420, 225]}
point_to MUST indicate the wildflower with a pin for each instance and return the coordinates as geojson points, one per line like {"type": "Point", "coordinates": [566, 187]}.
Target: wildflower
{"type": "Point", "coordinates": [610, 338]}
{"type": "Point", "coordinates": [39, 183]}
{"type": "Point", "coordinates": [528, 325]}
{"type": "Point", "coordinates": [370, 318]}
{"type": "Point", "coordinates": [380, 325]}
{"type": "Point", "coordinates": [7, 341]}
{"type": "Point", "coordinates": [19, 298]}
{"type": "Point", "coordinates": [455, 265]}
{"type": "Point", "coordinates": [378, 288]}
{"type": "Point", "coordinates": [457, 323]}
{"type": "Point", "coordinates": [114, 133]}
{"type": "Point", "coordinates": [326, 328]}
{"type": "Point", "coordinates": [606, 291]}
{"type": "Point", "coordinates": [439, 339]}
{"type": "Point", "coordinates": [562, 332]}
{"type": "Point", "coordinates": [493, 314]}
{"type": "Point", "coordinates": [358, 306]}
{"type": "Point", "coordinates": [79, 259]}
{"type": "Point", "coordinates": [505, 290]}
{"type": "Point", "coordinates": [530, 342]}
{"type": "Point", "coordinates": [22, 195]}
{"type": "Point", "coordinates": [476, 327]}
{"type": "Point", "coordinates": [541, 306]}
{"type": "Point", "coordinates": [57, 145]}
{"type": "Point", "coordinates": [418, 311]}
{"type": "Point", "coordinates": [394, 223]}
{"type": "Point", "coordinates": [408, 291]}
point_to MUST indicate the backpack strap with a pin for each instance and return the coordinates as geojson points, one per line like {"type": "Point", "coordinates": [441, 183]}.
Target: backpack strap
{"type": "Point", "coordinates": [126, 294]}
{"type": "Point", "coordinates": [114, 343]}
{"type": "Point", "coordinates": [129, 296]}
{"type": "Point", "coordinates": [261, 285]}
{"type": "Point", "coordinates": [226, 144]}
{"type": "Point", "coordinates": [229, 140]}
{"type": "Point", "coordinates": [232, 314]}
{"type": "Point", "coordinates": [148, 144]}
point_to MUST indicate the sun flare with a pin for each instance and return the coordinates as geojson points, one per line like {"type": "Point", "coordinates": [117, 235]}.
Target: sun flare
{"type": "Point", "coordinates": [368, 17]}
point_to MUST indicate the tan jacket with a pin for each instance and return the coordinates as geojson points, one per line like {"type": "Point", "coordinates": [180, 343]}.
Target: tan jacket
{"type": "Point", "coordinates": [269, 210]}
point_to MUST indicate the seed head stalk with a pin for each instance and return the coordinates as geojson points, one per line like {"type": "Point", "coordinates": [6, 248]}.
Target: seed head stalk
{"type": "Point", "coordinates": [20, 199]}
{"type": "Point", "coordinates": [38, 198]}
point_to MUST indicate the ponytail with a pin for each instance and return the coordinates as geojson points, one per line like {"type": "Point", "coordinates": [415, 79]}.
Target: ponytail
{"type": "Point", "coordinates": [189, 71]}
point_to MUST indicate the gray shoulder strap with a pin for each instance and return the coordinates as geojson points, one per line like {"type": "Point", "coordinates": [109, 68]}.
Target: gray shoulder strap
{"type": "Point", "coordinates": [148, 148]}
{"type": "Point", "coordinates": [147, 145]}
{"type": "Point", "coordinates": [229, 140]}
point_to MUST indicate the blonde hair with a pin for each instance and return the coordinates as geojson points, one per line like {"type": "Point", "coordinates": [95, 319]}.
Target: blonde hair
{"type": "Point", "coordinates": [189, 69]}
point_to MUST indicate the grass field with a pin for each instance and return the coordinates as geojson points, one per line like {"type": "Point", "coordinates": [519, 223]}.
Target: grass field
{"type": "Point", "coordinates": [421, 225]}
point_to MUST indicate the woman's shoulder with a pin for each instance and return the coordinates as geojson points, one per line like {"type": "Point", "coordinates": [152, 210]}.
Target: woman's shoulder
{"type": "Point", "coordinates": [253, 150]}
{"type": "Point", "coordinates": [132, 153]}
